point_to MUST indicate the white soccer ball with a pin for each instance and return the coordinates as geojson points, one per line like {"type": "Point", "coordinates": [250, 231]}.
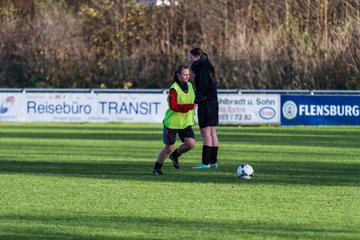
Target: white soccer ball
{"type": "Point", "coordinates": [245, 171]}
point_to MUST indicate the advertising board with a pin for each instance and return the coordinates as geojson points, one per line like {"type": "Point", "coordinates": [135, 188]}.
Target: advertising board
{"type": "Point", "coordinates": [235, 109]}
{"type": "Point", "coordinates": [320, 110]}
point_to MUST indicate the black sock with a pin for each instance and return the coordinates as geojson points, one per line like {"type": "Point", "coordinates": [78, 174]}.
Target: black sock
{"type": "Point", "coordinates": [175, 154]}
{"type": "Point", "coordinates": [206, 155]}
{"type": "Point", "coordinates": [158, 165]}
{"type": "Point", "coordinates": [214, 152]}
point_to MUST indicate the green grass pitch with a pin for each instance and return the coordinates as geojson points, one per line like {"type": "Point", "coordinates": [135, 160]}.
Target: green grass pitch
{"type": "Point", "coordinates": [94, 181]}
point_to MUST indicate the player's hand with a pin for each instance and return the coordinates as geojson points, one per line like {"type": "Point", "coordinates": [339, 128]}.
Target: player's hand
{"type": "Point", "coordinates": [199, 99]}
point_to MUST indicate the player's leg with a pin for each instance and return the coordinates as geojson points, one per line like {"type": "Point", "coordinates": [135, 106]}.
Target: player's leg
{"type": "Point", "coordinates": [214, 148]}
{"type": "Point", "coordinates": [206, 136]}
{"type": "Point", "coordinates": [169, 138]}
{"type": "Point", "coordinates": [206, 149]}
{"type": "Point", "coordinates": [189, 143]}
{"type": "Point", "coordinates": [214, 137]}
{"type": "Point", "coordinates": [161, 158]}
{"type": "Point", "coordinates": [187, 136]}
{"type": "Point", "coordinates": [213, 121]}
{"type": "Point", "coordinates": [206, 119]}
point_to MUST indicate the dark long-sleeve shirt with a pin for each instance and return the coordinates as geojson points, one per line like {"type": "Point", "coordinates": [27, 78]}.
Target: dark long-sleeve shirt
{"type": "Point", "coordinates": [204, 82]}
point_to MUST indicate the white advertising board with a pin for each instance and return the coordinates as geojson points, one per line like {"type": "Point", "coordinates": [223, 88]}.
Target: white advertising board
{"type": "Point", "coordinates": [249, 109]}
{"type": "Point", "coordinates": [59, 107]}
{"type": "Point", "coordinates": [11, 107]}
{"type": "Point", "coordinates": [128, 107]}
{"type": "Point", "coordinates": [134, 107]}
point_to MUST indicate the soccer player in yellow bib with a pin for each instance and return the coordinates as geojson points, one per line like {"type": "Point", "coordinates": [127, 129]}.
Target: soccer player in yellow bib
{"type": "Point", "coordinates": [179, 119]}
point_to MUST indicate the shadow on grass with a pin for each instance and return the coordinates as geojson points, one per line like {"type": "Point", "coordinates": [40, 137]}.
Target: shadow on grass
{"type": "Point", "coordinates": [284, 172]}
{"type": "Point", "coordinates": [116, 135]}
{"type": "Point", "coordinates": [325, 137]}
{"type": "Point", "coordinates": [133, 227]}
{"type": "Point", "coordinates": [86, 131]}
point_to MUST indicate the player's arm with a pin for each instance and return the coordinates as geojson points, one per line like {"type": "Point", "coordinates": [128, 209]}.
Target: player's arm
{"type": "Point", "coordinates": [202, 85]}
{"type": "Point", "coordinates": [175, 106]}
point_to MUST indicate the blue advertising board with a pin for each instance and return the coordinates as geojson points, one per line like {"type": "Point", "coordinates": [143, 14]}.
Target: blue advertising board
{"type": "Point", "coordinates": [320, 110]}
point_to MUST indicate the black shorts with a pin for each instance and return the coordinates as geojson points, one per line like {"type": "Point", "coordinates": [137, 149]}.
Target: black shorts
{"type": "Point", "coordinates": [208, 113]}
{"type": "Point", "coordinates": [169, 135]}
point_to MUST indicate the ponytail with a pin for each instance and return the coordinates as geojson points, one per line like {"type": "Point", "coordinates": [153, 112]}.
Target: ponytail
{"type": "Point", "coordinates": [203, 55]}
